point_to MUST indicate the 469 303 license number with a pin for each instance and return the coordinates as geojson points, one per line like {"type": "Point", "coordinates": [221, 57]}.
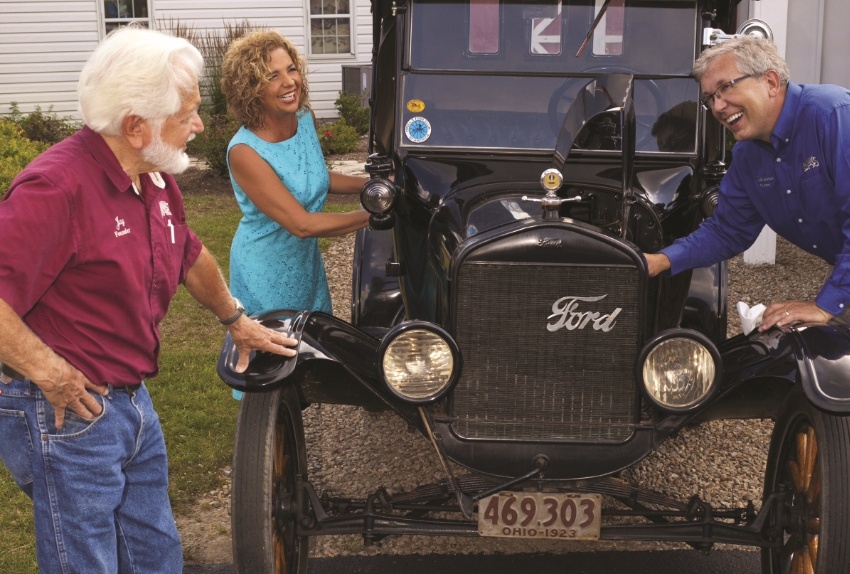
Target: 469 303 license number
{"type": "Point", "coordinates": [540, 515]}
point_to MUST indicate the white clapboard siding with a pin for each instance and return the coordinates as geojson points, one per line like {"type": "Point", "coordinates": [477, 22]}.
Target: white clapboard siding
{"type": "Point", "coordinates": [44, 44]}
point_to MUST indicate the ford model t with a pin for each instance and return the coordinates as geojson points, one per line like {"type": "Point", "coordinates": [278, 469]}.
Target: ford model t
{"type": "Point", "coordinates": [523, 155]}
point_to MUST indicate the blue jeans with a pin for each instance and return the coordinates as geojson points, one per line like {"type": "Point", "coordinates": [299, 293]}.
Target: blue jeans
{"type": "Point", "coordinates": [99, 488]}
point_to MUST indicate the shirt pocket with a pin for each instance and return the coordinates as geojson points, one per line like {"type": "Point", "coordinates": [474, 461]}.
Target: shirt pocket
{"type": "Point", "coordinates": [173, 253]}
{"type": "Point", "coordinates": [817, 196]}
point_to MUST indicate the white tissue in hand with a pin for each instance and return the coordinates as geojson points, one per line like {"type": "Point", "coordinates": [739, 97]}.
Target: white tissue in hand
{"type": "Point", "coordinates": [750, 316]}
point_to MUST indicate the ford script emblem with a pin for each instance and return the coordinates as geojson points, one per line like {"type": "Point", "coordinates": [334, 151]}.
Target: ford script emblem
{"type": "Point", "coordinates": [568, 316]}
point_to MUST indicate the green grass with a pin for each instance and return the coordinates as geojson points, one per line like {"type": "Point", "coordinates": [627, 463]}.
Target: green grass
{"type": "Point", "coordinates": [197, 411]}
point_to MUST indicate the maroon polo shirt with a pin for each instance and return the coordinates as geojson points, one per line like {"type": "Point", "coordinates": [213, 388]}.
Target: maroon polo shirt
{"type": "Point", "coordinates": [90, 264]}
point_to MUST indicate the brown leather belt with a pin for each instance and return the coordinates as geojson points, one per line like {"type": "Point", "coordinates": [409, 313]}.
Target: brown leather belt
{"type": "Point", "coordinates": [128, 388]}
{"type": "Point", "coordinates": [11, 373]}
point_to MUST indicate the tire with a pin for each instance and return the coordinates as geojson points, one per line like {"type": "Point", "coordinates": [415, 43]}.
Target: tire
{"type": "Point", "coordinates": [816, 536]}
{"type": "Point", "coordinates": [268, 455]}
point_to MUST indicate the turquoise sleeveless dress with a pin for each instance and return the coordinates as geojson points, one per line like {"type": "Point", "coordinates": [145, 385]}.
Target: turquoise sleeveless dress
{"type": "Point", "coordinates": [269, 267]}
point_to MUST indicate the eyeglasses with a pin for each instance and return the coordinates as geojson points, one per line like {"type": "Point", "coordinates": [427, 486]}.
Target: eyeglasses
{"type": "Point", "coordinates": [718, 94]}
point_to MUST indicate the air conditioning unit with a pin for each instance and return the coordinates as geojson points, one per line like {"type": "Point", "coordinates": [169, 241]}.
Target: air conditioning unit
{"type": "Point", "coordinates": [357, 80]}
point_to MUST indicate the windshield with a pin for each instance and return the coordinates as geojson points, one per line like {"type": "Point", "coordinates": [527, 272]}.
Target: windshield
{"type": "Point", "coordinates": [502, 74]}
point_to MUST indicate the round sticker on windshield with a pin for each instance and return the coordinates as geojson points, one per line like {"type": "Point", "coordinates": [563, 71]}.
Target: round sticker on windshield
{"type": "Point", "coordinates": [417, 129]}
{"type": "Point", "coordinates": [415, 106]}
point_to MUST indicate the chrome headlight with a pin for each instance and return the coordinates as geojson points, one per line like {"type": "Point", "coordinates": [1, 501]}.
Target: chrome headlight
{"type": "Point", "coordinates": [679, 369]}
{"type": "Point", "coordinates": [419, 362]}
{"type": "Point", "coordinates": [378, 195]}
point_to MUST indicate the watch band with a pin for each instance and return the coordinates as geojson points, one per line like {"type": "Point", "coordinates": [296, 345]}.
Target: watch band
{"type": "Point", "coordinates": [236, 314]}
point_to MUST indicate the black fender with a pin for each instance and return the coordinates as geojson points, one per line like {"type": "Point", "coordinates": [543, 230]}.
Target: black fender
{"type": "Point", "coordinates": [376, 302]}
{"type": "Point", "coordinates": [335, 363]}
{"type": "Point", "coordinates": [760, 368]}
{"type": "Point", "coordinates": [824, 363]}
{"type": "Point", "coordinates": [706, 307]}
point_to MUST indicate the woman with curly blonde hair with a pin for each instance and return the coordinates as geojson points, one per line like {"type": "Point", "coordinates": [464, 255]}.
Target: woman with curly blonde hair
{"type": "Point", "coordinates": [280, 179]}
{"type": "Point", "coordinates": [244, 75]}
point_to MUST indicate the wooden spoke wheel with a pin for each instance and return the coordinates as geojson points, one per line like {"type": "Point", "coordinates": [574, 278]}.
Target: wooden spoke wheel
{"type": "Point", "coordinates": [809, 465]}
{"type": "Point", "coordinates": [269, 455]}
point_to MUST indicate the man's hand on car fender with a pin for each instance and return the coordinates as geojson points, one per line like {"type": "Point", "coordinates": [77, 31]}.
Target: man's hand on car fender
{"type": "Point", "coordinates": [250, 335]}
{"type": "Point", "coordinates": [785, 313]}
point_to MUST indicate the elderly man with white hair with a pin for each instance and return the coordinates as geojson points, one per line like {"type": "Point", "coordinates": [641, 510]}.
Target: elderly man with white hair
{"type": "Point", "coordinates": [93, 246]}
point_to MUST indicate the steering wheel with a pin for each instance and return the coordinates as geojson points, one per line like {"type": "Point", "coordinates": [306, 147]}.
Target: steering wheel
{"type": "Point", "coordinates": [564, 95]}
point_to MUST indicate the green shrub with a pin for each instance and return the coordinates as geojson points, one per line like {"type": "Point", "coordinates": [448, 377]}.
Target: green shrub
{"type": "Point", "coordinates": [352, 112]}
{"type": "Point", "coordinates": [46, 127]}
{"type": "Point", "coordinates": [219, 127]}
{"type": "Point", "coordinates": [337, 138]}
{"type": "Point", "coordinates": [212, 143]}
{"type": "Point", "coordinates": [213, 45]}
{"type": "Point", "coordinates": [16, 151]}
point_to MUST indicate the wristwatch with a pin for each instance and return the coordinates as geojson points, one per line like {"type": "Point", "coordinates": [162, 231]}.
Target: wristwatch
{"type": "Point", "coordinates": [236, 314]}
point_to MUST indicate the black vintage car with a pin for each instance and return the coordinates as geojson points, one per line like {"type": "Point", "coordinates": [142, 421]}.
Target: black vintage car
{"type": "Point", "coordinates": [523, 155]}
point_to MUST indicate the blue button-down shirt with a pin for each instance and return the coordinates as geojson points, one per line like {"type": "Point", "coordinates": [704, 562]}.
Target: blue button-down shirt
{"type": "Point", "coordinates": [799, 186]}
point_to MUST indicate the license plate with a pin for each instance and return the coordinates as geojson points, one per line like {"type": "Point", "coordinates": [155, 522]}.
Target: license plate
{"type": "Point", "coordinates": [540, 515]}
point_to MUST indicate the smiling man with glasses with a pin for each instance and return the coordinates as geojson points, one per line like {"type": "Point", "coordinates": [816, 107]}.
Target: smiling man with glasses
{"type": "Point", "coordinates": [791, 171]}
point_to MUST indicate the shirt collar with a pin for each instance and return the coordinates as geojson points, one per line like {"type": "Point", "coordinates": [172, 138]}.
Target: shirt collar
{"type": "Point", "coordinates": [104, 157]}
{"type": "Point", "coordinates": [785, 124]}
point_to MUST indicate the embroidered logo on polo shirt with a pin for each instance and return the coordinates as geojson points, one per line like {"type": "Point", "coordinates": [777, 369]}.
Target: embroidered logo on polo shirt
{"type": "Point", "coordinates": [810, 163]}
{"type": "Point", "coordinates": [164, 209]}
{"type": "Point", "coordinates": [120, 227]}
{"type": "Point", "coordinates": [766, 181]}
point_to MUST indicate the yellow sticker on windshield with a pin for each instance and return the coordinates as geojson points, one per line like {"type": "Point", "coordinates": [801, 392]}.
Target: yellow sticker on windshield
{"type": "Point", "coordinates": [415, 106]}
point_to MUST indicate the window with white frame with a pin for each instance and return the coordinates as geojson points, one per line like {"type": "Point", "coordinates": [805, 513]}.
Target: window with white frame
{"type": "Point", "coordinates": [330, 27]}
{"type": "Point", "coordinates": [118, 13]}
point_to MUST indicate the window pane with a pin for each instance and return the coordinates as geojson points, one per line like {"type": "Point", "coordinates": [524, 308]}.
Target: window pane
{"type": "Point", "coordinates": [125, 8]}
{"type": "Point", "coordinates": [546, 33]}
{"type": "Point", "coordinates": [344, 44]}
{"type": "Point", "coordinates": [110, 9]}
{"type": "Point", "coordinates": [330, 35]}
{"type": "Point", "coordinates": [484, 26]}
{"type": "Point", "coordinates": [140, 8]}
{"type": "Point", "coordinates": [317, 43]}
{"type": "Point", "coordinates": [608, 37]}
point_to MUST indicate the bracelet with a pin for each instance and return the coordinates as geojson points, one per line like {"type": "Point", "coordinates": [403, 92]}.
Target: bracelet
{"type": "Point", "coordinates": [236, 314]}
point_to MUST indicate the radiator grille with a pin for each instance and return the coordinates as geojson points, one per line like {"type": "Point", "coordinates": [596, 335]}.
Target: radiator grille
{"type": "Point", "coordinates": [521, 381]}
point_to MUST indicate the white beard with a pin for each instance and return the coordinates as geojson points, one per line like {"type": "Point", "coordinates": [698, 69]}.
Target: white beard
{"type": "Point", "coordinates": [165, 157]}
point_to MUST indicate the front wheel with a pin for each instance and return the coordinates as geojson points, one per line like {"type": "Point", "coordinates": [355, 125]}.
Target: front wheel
{"type": "Point", "coordinates": [809, 466]}
{"type": "Point", "coordinates": [269, 461]}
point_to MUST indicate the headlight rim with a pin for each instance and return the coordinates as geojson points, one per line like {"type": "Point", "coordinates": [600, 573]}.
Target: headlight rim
{"type": "Point", "coordinates": [386, 184]}
{"type": "Point", "coordinates": [668, 334]}
{"type": "Point", "coordinates": [402, 328]}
